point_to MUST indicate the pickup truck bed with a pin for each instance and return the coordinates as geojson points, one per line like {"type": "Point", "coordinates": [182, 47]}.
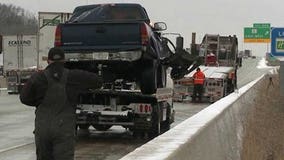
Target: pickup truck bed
{"type": "Point", "coordinates": [116, 41]}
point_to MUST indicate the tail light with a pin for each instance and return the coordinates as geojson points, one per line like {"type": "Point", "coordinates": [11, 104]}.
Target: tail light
{"type": "Point", "coordinates": [144, 34]}
{"type": "Point", "coordinates": [58, 41]}
{"type": "Point", "coordinates": [141, 107]}
{"type": "Point", "coordinates": [232, 75]}
{"type": "Point", "coordinates": [147, 108]}
{"type": "Point", "coordinates": [144, 108]}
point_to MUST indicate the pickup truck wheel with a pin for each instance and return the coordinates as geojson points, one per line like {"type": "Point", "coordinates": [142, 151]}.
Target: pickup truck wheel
{"type": "Point", "coordinates": [100, 127]}
{"type": "Point", "coordinates": [148, 81]}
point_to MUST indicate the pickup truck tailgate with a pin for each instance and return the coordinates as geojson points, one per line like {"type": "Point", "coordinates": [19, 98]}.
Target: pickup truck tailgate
{"type": "Point", "coordinates": [96, 36]}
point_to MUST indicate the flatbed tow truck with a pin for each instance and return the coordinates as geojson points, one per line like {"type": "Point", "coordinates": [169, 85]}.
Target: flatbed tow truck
{"type": "Point", "coordinates": [220, 64]}
{"type": "Point", "coordinates": [140, 113]}
{"type": "Point", "coordinates": [123, 104]}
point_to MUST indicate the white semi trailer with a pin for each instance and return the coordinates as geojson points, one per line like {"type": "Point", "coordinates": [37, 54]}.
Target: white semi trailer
{"type": "Point", "coordinates": [46, 33]}
{"type": "Point", "coordinates": [19, 59]}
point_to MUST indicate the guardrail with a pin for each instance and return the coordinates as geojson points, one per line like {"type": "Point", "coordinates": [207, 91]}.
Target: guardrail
{"type": "Point", "coordinates": [215, 133]}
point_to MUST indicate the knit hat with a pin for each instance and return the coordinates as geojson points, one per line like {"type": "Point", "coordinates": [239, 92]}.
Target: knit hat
{"type": "Point", "coordinates": [56, 54]}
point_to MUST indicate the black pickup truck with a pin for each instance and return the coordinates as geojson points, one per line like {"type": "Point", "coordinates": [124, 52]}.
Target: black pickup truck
{"type": "Point", "coordinates": [117, 41]}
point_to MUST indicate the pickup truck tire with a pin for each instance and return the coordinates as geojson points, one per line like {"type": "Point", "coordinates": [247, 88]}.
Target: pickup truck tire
{"type": "Point", "coordinates": [101, 127]}
{"type": "Point", "coordinates": [148, 80]}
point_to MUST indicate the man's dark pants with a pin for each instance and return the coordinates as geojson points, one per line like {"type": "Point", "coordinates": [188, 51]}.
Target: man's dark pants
{"type": "Point", "coordinates": [197, 92]}
{"type": "Point", "coordinates": [54, 143]}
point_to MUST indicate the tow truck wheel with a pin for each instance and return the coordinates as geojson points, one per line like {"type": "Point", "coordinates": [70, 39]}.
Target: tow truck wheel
{"type": "Point", "coordinates": [162, 76]}
{"type": "Point", "coordinates": [100, 127]}
{"type": "Point", "coordinates": [156, 124]}
{"type": "Point", "coordinates": [155, 130]}
{"type": "Point", "coordinates": [166, 125]}
{"type": "Point", "coordinates": [148, 82]}
{"type": "Point", "coordinates": [84, 126]}
{"type": "Point", "coordinates": [138, 134]}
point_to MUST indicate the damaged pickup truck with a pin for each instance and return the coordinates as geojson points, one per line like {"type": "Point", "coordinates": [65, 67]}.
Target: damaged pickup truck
{"type": "Point", "coordinates": [116, 40]}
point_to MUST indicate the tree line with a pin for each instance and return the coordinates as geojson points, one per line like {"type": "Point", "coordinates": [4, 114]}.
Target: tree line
{"type": "Point", "coordinates": [16, 20]}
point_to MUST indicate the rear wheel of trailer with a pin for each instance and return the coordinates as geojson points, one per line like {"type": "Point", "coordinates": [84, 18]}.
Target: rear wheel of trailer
{"type": "Point", "coordinates": [166, 125]}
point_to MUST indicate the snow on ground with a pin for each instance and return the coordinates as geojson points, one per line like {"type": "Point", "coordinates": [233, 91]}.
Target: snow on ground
{"type": "Point", "coordinates": [262, 64]}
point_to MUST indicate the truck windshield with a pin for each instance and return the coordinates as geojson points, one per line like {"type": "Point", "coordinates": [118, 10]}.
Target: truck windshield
{"type": "Point", "coordinates": [100, 13]}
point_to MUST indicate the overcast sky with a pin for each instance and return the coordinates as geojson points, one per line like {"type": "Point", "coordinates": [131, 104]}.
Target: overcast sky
{"type": "Point", "coordinates": [186, 16]}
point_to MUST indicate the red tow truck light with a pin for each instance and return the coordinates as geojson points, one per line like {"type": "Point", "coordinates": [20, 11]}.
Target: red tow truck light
{"type": "Point", "coordinates": [150, 108]}
{"type": "Point", "coordinates": [141, 108]}
{"type": "Point", "coordinates": [146, 108]}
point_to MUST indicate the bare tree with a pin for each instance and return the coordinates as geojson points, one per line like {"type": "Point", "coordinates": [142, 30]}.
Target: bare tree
{"type": "Point", "coordinates": [16, 20]}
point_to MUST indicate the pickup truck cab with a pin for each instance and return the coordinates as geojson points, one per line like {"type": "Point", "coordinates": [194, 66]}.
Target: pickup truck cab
{"type": "Point", "coordinates": [116, 41]}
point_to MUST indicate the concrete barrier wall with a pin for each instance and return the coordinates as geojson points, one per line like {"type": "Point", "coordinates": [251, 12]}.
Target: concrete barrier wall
{"type": "Point", "coordinates": [215, 133]}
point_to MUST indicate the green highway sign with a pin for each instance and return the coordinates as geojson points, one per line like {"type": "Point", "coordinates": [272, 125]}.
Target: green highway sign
{"type": "Point", "coordinates": [51, 22]}
{"type": "Point", "coordinates": [252, 34]}
{"type": "Point", "coordinates": [261, 25]}
{"type": "Point", "coordinates": [258, 33]}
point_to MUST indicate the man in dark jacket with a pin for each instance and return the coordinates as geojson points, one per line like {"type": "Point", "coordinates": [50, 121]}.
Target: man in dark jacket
{"type": "Point", "coordinates": [54, 93]}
